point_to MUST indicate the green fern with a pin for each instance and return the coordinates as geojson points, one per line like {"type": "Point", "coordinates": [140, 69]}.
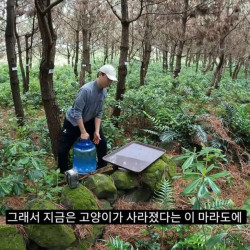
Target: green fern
{"type": "Point", "coordinates": [164, 195]}
{"type": "Point", "coordinates": [219, 142]}
{"type": "Point", "coordinates": [162, 128]}
{"type": "Point", "coordinates": [168, 136]}
{"type": "Point", "coordinates": [215, 144]}
{"type": "Point", "coordinates": [192, 241]}
{"type": "Point", "coordinates": [152, 119]}
{"type": "Point", "coordinates": [216, 238]}
{"type": "Point", "coordinates": [238, 242]}
{"type": "Point", "coordinates": [118, 244]}
{"type": "Point", "coordinates": [157, 123]}
{"type": "Point", "coordinates": [150, 132]}
{"type": "Point", "coordinates": [217, 204]}
{"type": "Point", "coordinates": [229, 109]}
{"type": "Point", "coordinates": [200, 132]}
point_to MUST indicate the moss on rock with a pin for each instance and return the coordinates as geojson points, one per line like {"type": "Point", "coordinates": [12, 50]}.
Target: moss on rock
{"type": "Point", "coordinates": [37, 204]}
{"type": "Point", "coordinates": [124, 180]}
{"type": "Point", "coordinates": [153, 174]}
{"type": "Point", "coordinates": [102, 185]}
{"type": "Point", "coordinates": [10, 238]}
{"type": "Point", "coordinates": [171, 165]}
{"type": "Point", "coordinates": [78, 198]}
{"type": "Point", "coordinates": [59, 236]}
{"type": "Point", "coordinates": [106, 204]}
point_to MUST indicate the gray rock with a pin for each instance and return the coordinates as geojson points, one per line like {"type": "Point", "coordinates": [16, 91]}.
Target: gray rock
{"type": "Point", "coordinates": [101, 185]}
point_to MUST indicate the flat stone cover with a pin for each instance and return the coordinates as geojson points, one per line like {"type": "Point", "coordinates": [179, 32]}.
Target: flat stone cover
{"type": "Point", "coordinates": [134, 156]}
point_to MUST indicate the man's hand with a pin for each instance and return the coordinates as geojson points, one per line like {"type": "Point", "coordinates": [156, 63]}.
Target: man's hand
{"type": "Point", "coordinates": [84, 136]}
{"type": "Point", "coordinates": [97, 137]}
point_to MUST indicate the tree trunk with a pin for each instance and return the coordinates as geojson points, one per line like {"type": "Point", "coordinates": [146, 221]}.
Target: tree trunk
{"type": "Point", "coordinates": [146, 46]}
{"type": "Point", "coordinates": [165, 61]}
{"type": "Point", "coordinates": [68, 54]}
{"type": "Point", "coordinates": [112, 51]}
{"type": "Point", "coordinates": [157, 56]}
{"type": "Point", "coordinates": [27, 61]}
{"type": "Point", "coordinates": [247, 67]}
{"type": "Point", "coordinates": [230, 64]}
{"type": "Point", "coordinates": [122, 69]}
{"type": "Point", "coordinates": [219, 68]}
{"type": "Point", "coordinates": [237, 69]}
{"type": "Point", "coordinates": [204, 62]}
{"type": "Point", "coordinates": [11, 56]}
{"type": "Point", "coordinates": [205, 70]}
{"type": "Point", "coordinates": [106, 48]}
{"type": "Point", "coordinates": [187, 56]}
{"type": "Point", "coordinates": [145, 62]}
{"type": "Point", "coordinates": [46, 70]}
{"type": "Point", "coordinates": [30, 58]}
{"type": "Point", "coordinates": [77, 50]}
{"type": "Point", "coordinates": [73, 58]}
{"type": "Point", "coordinates": [85, 67]}
{"type": "Point", "coordinates": [181, 41]}
{"type": "Point", "coordinates": [172, 56]}
{"type": "Point", "coordinates": [178, 58]}
{"type": "Point", "coordinates": [28, 54]}
{"type": "Point", "coordinates": [198, 55]}
{"type": "Point", "coordinates": [25, 88]}
{"type": "Point", "coordinates": [93, 56]}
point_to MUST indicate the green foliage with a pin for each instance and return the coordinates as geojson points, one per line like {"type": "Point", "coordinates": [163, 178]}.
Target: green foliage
{"type": "Point", "coordinates": [65, 86]}
{"type": "Point", "coordinates": [4, 74]}
{"type": "Point", "coordinates": [114, 135]}
{"type": "Point", "coordinates": [217, 204]}
{"type": "Point", "coordinates": [166, 114]}
{"type": "Point", "coordinates": [197, 166]}
{"type": "Point", "coordinates": [192, 241]}
{"type": "Point", "coordinates": [3, 206]}
{"type": "Point", "coordinates": [118, 244]}
{"type": "Point", "coordinates": [19, 162]}
{"type": "Point", "coordinates": [5, 95]}
{"type": "Point", "coordinates": [246, 206]}
{"type": "Point", "coordinates": [181, 127]}
{"type": "Point", "coordinates": [153, 243]}
{"type": "Point", "coordinates": [164, 195]}
{"type": "Point", "coordinates": [238, 120]}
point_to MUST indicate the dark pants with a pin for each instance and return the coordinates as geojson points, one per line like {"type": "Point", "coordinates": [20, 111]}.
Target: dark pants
{"type": "Point", "coordinates": [70, 134]}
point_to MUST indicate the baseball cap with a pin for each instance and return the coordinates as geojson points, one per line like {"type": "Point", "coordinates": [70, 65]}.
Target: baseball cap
{"type": "Point", "coordinates": [109, 70]}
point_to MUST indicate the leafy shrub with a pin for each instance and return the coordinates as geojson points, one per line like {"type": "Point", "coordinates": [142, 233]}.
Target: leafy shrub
{"type": "Point", "coordinates": [19, 162]}
{"type": "Point", "coordinates": [180, 127]}
{"type": "Point", "coordinates": [4, 74]}
{"type": "Point", "coordinates": [238, 120]}
{"type": "Point", "coordinates": [5, 95]}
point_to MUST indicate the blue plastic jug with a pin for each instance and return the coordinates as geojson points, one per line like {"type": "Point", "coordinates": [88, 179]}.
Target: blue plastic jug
{"type": "Point", "coordinates": [84, 157]}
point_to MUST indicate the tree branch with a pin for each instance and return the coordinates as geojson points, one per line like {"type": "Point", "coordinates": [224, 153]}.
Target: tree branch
{"type": "Point", "coordinates": [139, 14]}
{"type": "Point", "coordinates": [113, 10]}
{"type": "Point", "coordinates": [38, 6]}
{"type": "Point", "coordinates": [51, 6]}
{"type": "Point", "coordinates": [179, 13]}
{"type": "Point", "coordinates": [43, 12]}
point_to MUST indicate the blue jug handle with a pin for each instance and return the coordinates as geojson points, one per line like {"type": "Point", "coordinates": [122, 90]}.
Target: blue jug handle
{"type": "Point", "coordinates": [85, 140]}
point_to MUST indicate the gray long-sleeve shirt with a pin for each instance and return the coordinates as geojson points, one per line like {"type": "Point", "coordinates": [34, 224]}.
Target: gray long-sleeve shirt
{"type": "Point", "coordinates": [88, 103]}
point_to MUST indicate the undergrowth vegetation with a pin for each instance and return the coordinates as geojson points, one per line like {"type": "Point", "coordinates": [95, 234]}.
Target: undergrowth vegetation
{"type": "Point", "coordinates": [204, 130]}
